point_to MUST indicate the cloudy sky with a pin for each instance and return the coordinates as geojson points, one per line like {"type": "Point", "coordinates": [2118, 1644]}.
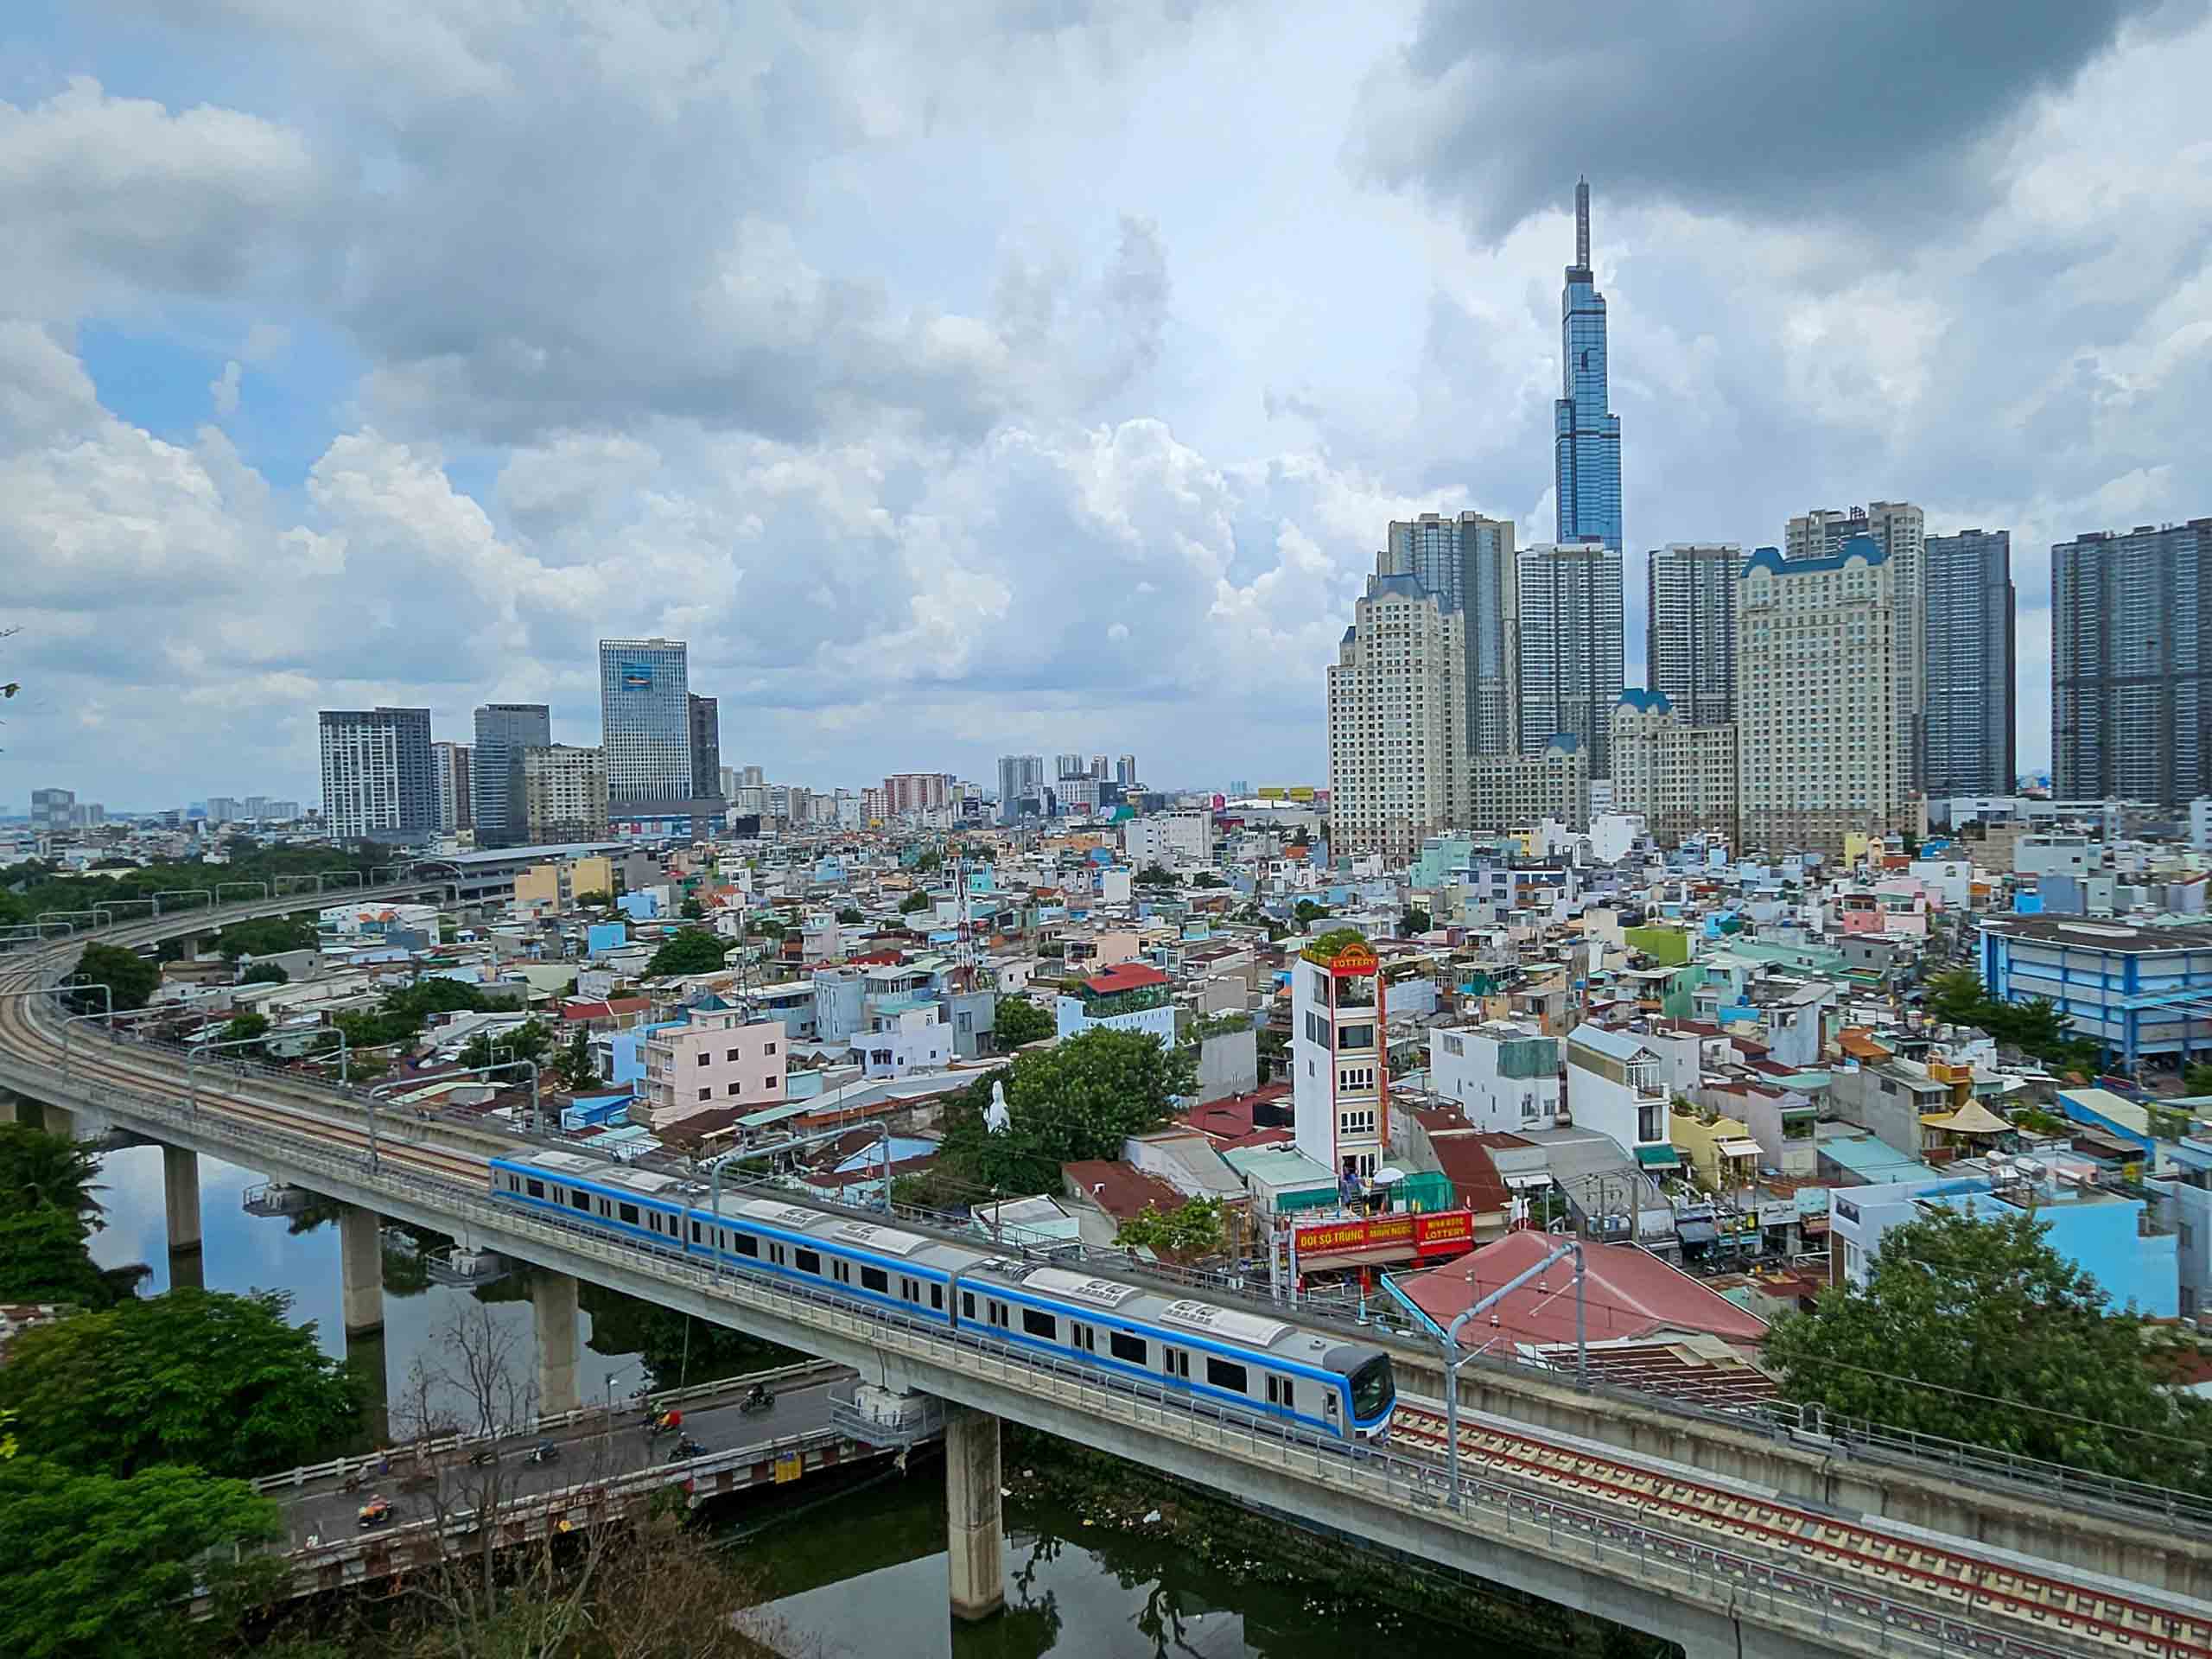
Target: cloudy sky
{"type": "Point", "coordinates": [1012, 374]}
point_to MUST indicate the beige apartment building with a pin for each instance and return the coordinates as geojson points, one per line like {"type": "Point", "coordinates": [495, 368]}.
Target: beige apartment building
{"type": "Point", "coordinates": [1816, 689]}
{"type": "Point", "coordinates": [1681, 779]}
{"type": "Point", "coordinates": [1508, 791]}
{"type": "Point", "coordinates": [1396, 707]}
{"type": "Point", "coordinates": [561, 788]}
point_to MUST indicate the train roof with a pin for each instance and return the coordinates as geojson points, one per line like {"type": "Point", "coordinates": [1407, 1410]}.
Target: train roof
{"type": "Point", "coordinates": [1142, 1304]}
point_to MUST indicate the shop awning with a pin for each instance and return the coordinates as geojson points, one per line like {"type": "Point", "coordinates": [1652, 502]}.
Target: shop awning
{"type": "Point", "coordinates": [1658, 1157]}
{"type": "Point", "coordinates": [1696, 1232]}
{"type": "Point", "coordinates": [1738, 1148]}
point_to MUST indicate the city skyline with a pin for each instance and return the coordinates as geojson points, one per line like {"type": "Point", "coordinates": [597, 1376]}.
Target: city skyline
{"type": "Point", "coordinates": [1119, 370]}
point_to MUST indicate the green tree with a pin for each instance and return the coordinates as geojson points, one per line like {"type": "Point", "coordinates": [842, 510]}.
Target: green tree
{"type": "Point", "coordinates": [691, 951]}
{"type": "Point", "coordinates": [1156, 875]}
{"type": "Point", "coordinates": [225, 1383]}
{"type": "Point", "coordinates": [1016, 1022]}
{"type": "Point", "coordinates": [527, 1041]}
{"type": "Point", "coordinates": [131, 978]}
{"type": "Point", "coordinates": [43, 1259]}
{"type": "Point", "coordinates": [1956, 998]}
{"type": "Point", "coordinates": [265, 973]}
{"type": "Point", "coordinates": [1307, 911]}
{"type": "Point", "coordinates": [2197, 1080]}
{"type": "Point", "coordinates": [1414, 920]}
{"type": "Point", "coordinates": [595, 900]}
{"type": "Point", "coordinates": [915, 901]}
{"type": "Point", "coordinates": [1971, 1327]}
{"type": "Point", "coordinates": [243, 1029]}
{"type": "Point", "coordinates": [691, 910]}
{"type": "Point", "coordinates": [769, 928]}
{"type": "Point", "coordinates": [576, 1067]}
{"type": "Point", "coordinates": [1080, 1099]}
{"type": "Point", "coordinates": [1187, 1233]}
{"type": "Point", "coordinates": [1275, 1052]}
{"type": "Point", "coordinates": [98, 1568]}
{"type": "Point", "coordinates": [1208, 879]}
{"type": "Point", "coordinates": [266, 936]}
{"type": "Point", "coordinates": [40, 1171]}
{"type": "Point", "coordinates": [849, 916]}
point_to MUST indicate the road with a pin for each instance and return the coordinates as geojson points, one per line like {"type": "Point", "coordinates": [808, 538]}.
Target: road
{"type": "Point", "coordinates": [324, 1510]}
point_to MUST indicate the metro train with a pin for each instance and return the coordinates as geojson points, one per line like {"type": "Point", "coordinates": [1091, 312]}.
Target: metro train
{"type": "Point", "coordinates": [1221, 1356]}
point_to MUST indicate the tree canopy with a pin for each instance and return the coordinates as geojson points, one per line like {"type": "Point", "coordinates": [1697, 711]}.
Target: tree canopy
{"type": "Point", "coordinates": [265, 973]}
{"type": "Point", "coordinates": [1186, 1233]}
{"type": "Point", "coordinates": [1157, 875]}
{"type": "Point", "coordinates": [691, 910]}
{"type": "Point", "coordinates": [47, 1212]}
{"type": "Point", "coordinates": [1080, 1099]}
{"type": "Point", "coordinates": [1414, 920]}
{"type": "Point", "coordinates": [2036, 1028]}
{"type": "Point", "coordinates": [915, 901]}
{"type": "Point", "coordinates": [1016, 1022]}
{"type": "Point", "coordinates": [689, 950]}
{"type": "Point", "coordinates": [849, 916]}
{"type": "Point", "coordinates": [530, 1041]}
{"type": "Point", "coordinates": [224, 1383]}
{"type": "Point", "coordinates": [1971, 1327]}
{"type": "Point", "coordinates": [97, 1566]}
{"type": "Point", "coordinates": [131, 978]}
{"type": "Point", "coordinates": [266, 936]}
{"type": "Point", "coordinates": [38, 1170]}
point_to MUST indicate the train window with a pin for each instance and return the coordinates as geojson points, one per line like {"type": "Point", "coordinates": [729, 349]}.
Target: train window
{"type": "Point", "coordinates": [695, 1232]}
{"type": "Point", "coordinates": [1126, 1347]}
{"type": "Point", "coordinates": [629, 1215]}
{"type": "Point", "coordinates": [967, 1305]}
{"type": "Point", "coordinates": [1038, 1324]}
{"type": "Point", "coordinates": [874, 1279]}
{"type": "Point", "coordinates": [808, 1262]}
{"type": "Point", "coordinates": [936, 1297]}
{"type": "Point", "coordinates": [582, 1200]}
{"type": "Point", "coordinates": [536, 1189]}
{"type": "Point", "coordinates": [1224, 1375]}
{"type": "Point", "coordinates": [745, 1243]}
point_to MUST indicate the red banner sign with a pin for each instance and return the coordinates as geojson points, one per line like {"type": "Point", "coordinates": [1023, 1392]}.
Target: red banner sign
{"type": "Point", "coordinates": [1440, 1232]}
{"type": "Point", "coordinates": [1354, 961]}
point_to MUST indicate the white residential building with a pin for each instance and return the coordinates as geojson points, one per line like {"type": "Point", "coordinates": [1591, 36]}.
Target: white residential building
{"type": "Point", "coordinates": [378, 780]}
{"type": "Point", "coordinates": [1616, 1086]}
{"type": "Point", "coordinates": [1395, 713]}
{"type": "Point", "coordinates": [1339, 1087]}
{"type": "Point", "coordinates": [1816, 689]}
{"type": "Point", "coordinates": [1504, 1077]}
{"type": "Point", "coordinates": [1169, 838]}
{"type": "Point", "coordinates": [1680, 779]}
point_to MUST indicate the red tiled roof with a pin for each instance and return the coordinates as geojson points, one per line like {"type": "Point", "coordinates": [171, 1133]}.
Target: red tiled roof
{"type": "Point", "coordinates": [1121, 1190]}
{"type": "Point", "coordinates": [1125, 977]}
{"type": "Point", "coordinates": [1627, 1294]}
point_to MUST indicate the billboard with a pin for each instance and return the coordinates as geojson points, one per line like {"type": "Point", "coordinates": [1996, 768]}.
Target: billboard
{"type": "Point", "coordinates": [637, 676]}
{"type": "Point", "coordinates": [1423, 1235]}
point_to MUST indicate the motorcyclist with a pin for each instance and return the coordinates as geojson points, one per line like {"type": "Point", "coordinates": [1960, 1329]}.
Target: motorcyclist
{"type": "Point", "coordinates": [544, 1452]}
{"type": "Point", "coordinates": [757, 1398]}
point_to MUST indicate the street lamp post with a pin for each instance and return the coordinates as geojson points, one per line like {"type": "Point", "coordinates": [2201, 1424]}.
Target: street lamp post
{"type": "Point", "coordinates": [182, 893]}
{"type": "Point", "coordinates": [102, 916]}
{"type": "Point", "coordinates": [98, 1013]}
{"type": "Point", "coordinates": [1451, 1346]}
{"type": "Point", "coordinates": [221, 887]}
{"type": "Point", "coordinates": [192, 1063]}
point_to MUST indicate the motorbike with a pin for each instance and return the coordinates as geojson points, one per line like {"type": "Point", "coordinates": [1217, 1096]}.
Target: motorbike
{"type": "Point", "coordinates": [663, 1422]}
{"type": "Point", "coordinates": [758, 1400]}
{"type": "Point", "coordinates": [377, 1512]}
{"type": "Point", "coordinates": [686, 1447]}
{"type": "Point", "coordinates": [482, 1455]}
{"type": "Point", "coordinates": [546, 1451]}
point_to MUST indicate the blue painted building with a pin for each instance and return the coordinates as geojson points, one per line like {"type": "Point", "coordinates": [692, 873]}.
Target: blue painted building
{"type": "Point", "coordinates": [2141, 992]}
{"type": "Point", "coordinates": [603, 936]}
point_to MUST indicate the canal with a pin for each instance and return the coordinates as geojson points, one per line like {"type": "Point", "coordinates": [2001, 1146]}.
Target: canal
{"type": "Point", "coordinates": [859, 1572]}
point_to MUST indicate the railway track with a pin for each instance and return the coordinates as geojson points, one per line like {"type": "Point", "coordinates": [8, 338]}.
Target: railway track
{"type": "Point", "coordinates": [1738, 1520]}
{"type": "Point", "coordinates": [2013, 1600]}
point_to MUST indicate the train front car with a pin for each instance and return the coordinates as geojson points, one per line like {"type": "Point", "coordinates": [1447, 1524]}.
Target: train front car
{"type": "Point", "coordinates": [1370, 1390]}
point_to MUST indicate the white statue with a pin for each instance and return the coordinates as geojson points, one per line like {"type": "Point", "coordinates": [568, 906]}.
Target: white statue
{"type": "Point", "coordinates": [995, 1115]}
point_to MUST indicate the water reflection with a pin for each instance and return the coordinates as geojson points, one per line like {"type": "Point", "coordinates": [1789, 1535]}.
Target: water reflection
{"type": "Point", "coordinates": [241, 1253]}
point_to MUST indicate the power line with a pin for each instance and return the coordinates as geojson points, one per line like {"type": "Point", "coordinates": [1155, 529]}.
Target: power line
{"type": "Point", "coordinates": [2016, 1405]}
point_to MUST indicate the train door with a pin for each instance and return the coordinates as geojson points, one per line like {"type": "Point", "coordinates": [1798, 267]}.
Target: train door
{"type": "Point", "coordinates": [1175, 1363]}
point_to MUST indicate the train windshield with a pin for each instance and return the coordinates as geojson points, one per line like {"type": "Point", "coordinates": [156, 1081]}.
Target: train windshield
{"type": "Point", "coordinates": [1372, 1389]}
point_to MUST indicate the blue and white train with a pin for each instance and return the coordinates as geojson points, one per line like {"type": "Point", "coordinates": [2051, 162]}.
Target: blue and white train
{"type": "Point", "coordinates": [1230, 1358]}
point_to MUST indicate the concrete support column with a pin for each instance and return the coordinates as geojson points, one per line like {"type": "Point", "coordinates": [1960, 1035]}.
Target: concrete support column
{"type": "Point", "coordinates": [7, 1107]}
{"type": "Point", "coordinates": [180, 1195]}
{"type": "Point", "coordinates": [553, 1299]}
{"type": "Point", "coordinates": [57, 1119]}
{"type": "Point", "coordinates": [975, 1537]}
{"type": "Point", "coordinates": [360, 1261]}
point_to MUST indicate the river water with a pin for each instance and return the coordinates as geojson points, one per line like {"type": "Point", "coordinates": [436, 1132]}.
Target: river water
{"type": "Point", "coordinates": [857, 1574]}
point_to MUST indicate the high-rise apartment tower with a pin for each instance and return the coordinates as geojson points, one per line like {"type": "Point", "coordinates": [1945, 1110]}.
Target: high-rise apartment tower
{"type": "Point", "coordinates": [644, 711]}
{"type": "Point", "coordinates": [1967, 732]}
{"type": "Point", "coordinates": [1571, 654]}
{"type": "Point", "coordinates": [503, 731]}
{"type": "Point", "coordinates": [1689, 651]}
{"type": "Point", "coordinates": [1466, 564]}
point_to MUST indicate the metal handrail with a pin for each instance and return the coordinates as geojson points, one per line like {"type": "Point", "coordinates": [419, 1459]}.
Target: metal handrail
{"type": "Point", "coordinates": [1774, 1419]}
{"type": "Point", "coordinates": [1369, 1471]}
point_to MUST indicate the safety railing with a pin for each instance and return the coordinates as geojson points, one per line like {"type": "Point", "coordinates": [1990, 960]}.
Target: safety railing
{"type": "Point", "coordinates": [1777, 1421]}
{"type": "Point", "coordinates": [1507, 1513]}
{"type": "Point", "coordinates": [587, 1416]}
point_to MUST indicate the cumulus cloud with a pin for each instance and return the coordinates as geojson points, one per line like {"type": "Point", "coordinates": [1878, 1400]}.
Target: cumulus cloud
{"type": "Point", "coordinates": [1785, 110]}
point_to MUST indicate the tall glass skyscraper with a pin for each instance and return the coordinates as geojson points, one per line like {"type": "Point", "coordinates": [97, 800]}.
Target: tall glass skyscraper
{"type": "Point", "coordinates": [2130, 663]}
{"type": "Point", "coordinates": [1966, 602]}
{"type": "Point", "coordinates": [1465, 564]}
{"type": "Point", "coordinates": [504, 730]}
{"type": "Point", "coordinates": [645, 712]}
{"type": "Point", "coordinates": [1587, 435]}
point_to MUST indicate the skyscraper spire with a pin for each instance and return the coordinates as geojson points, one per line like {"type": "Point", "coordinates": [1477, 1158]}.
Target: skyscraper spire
{"type": "Point", "coordinates": [1588, 435]}
{"type": "Point", "coordinates": [1582, 223]}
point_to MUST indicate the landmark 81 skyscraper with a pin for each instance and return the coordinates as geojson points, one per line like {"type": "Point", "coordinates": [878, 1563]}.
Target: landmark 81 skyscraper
{"type": "Point", "coordinates": [1587, 435]}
